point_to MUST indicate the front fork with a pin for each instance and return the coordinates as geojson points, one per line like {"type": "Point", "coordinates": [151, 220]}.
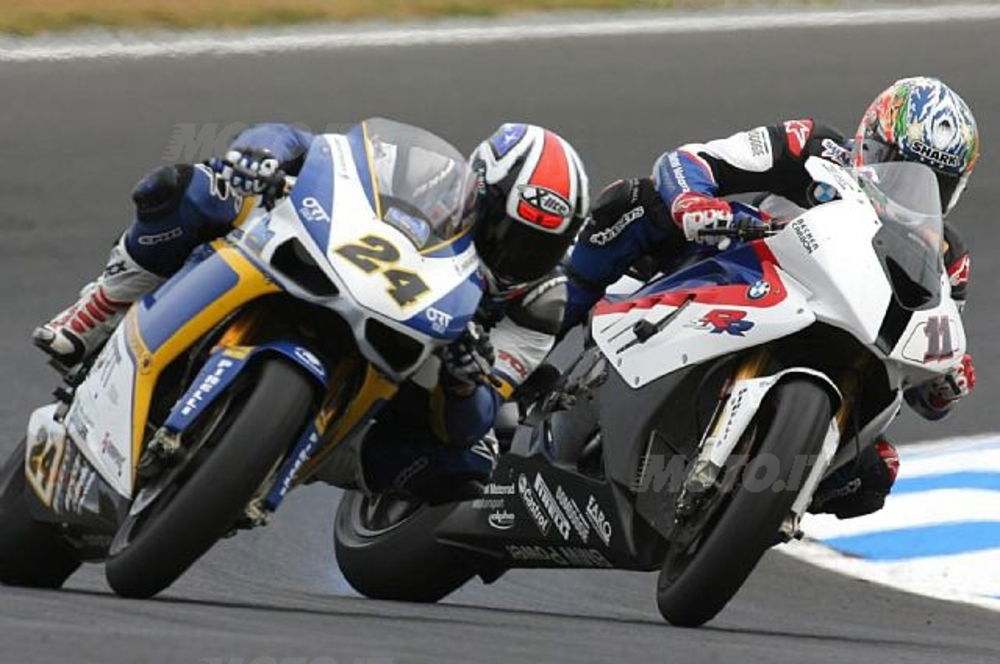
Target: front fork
{"type": "Point", "coordinates": [739, 403]}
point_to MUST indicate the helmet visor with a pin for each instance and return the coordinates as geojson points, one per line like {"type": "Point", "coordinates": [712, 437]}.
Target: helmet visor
{"type": "Point", "coordinates": [515, 253]}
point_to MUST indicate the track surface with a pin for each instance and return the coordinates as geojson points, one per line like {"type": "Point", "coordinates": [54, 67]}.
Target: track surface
{"type": "Point", "coordinates": [75, 136]}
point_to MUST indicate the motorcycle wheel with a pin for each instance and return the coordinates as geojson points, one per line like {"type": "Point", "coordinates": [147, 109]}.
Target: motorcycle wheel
{"type": "Point", "coordinates": [702, 572]}
{"type": "Point", "coordinates": [155, 547]}
{"type": "Point", "coordinates": [387, 549]}
{"type": "Point", "coordinates": [32, 553]}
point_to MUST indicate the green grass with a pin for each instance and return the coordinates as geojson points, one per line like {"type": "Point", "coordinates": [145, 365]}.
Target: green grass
{"type": "Point", "coordinates": [27, 17]}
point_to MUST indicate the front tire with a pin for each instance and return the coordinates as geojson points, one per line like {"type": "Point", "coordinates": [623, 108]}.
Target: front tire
{"type": "Point", "coordinates": [387, 549]}
{"type": "Point", "coordinates": [150, 553]}
{"type": "Point", "coordinates": [32, 553]}
{"type": "Point", "coordinates": [692, 593]}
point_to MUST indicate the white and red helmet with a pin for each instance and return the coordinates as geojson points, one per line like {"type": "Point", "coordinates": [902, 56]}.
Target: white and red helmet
{"type": "Point", "coordinates": [532, 199]}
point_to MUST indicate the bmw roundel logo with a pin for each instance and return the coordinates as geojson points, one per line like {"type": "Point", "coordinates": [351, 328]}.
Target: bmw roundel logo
{"type": "Point", "coordinates": [758, 290]}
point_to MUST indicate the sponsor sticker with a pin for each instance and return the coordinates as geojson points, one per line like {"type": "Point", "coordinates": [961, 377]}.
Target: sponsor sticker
{"type": "Point", "coordinates": [439, 320]}
{"type": "Point", "coordinates": [501, 520]}
{"type": "Point", "coordinates": [563, 556]}
{"type": "Point", "coordinates": [531, 504]}
{"type": "Point", "coordinates": [312, 210]}
{"type": "Point", "coordinates": [601, 524]}
{"type": "Point", "coordinates": [549, 502]}
{"type": "Point", "coordinates": [805, 236]}
{"type": "Point", "coordinates": [569, 506]}
{"type": "Point", "coordinates": [545, 199]}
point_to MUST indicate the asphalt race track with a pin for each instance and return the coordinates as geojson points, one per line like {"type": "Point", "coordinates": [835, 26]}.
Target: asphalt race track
{"type": "Point", "coordinates": [75, 136]}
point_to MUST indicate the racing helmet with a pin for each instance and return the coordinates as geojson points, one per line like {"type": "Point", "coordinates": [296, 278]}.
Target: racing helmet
{"type": "Point", "coordinates": [531, 200]}
{"type": "Point", "coordinates": [921, 119]}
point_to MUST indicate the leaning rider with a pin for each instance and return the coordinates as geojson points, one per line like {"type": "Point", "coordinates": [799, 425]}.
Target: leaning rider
{"type": "Point", "coordinates": [531, 200]}
{"type": "Point", "coordinates": [658, 219]}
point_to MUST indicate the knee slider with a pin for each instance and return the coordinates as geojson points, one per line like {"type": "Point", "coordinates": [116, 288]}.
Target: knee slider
{"type": "Point", "coordinates": [160, 192]}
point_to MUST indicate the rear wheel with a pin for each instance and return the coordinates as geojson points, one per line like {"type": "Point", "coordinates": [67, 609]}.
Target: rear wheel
{"type": "Point", "coordinates": [153, 548]}
{"type": "Point", "coordinates": [718, 546]}
{"type": "Point", "coordinates": [387, 549]}
{"type": "Point", "coordinates": [32, 553]}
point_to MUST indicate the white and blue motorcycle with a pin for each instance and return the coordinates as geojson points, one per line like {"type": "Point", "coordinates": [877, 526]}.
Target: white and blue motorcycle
{"type": "Point", "coordinates": [257, 367]}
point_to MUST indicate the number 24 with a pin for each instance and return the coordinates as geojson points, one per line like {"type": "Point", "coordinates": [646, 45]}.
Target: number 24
{"type": "Point", "coordinates": [377, 254]}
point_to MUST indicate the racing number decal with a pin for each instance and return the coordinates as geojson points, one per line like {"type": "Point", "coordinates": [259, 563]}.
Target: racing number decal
{"type": "Point", "coordinates": [375, 250]}
{"type": "Point", "coordinates": [938, 331]}
{"type": "Point", "coordinates": [375, 253]}
{"type": "Point", "coordinates": [43, 463]}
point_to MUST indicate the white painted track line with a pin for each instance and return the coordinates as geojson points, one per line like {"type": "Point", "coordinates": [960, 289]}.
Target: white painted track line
{"type": "Point", "coordinates": [314, 38]}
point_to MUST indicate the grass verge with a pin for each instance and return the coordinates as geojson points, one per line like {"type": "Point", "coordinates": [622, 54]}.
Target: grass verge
{"type": "Point", "coordinates": [27, 17]}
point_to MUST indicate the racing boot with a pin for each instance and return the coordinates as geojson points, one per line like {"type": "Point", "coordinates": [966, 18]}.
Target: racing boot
{"type": "Point", "coordinates": [73, 335]}
{"type": "Point", "coordinates": [859, 488]}
{"type": "Point", "coordinates": [430, 471]}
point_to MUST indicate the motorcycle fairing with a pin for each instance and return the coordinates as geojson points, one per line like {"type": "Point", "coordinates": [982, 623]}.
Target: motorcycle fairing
{"type": "Point", "coordinates": [107, 420]}
{"type": "Point", "coordinates": [699, 313]}
{"type": "Point", "coordinates": [221, 369]}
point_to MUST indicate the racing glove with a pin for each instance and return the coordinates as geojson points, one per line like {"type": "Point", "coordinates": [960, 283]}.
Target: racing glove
{"type": "Point", "coordinates": [694, 212]}
{"type": "Point", "coordinates": [935, 398]}
{"type": "Point", "coordinates": [467, 361]}
{"type": "Point", "coordinates": [252, 172]}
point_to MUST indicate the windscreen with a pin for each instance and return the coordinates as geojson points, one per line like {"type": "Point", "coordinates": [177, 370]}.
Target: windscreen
{"type": "Point", "coordinates": [423, 184]}
{"type": "Point", "coordinates": [910, 243]}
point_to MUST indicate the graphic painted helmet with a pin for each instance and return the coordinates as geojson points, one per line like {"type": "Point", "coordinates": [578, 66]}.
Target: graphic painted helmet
{"type": "Point", "coordinates": [532, 199]}
{"type": "Point", "coordinates": [921, 119]}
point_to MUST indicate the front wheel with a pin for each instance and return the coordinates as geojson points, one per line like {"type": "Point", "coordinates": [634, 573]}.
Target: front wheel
{"type": "Point", "coordinates": [708, 565]}
{"type": "Point", "coordinates": [153, 548]}
{"type": "Point", "coordinates": [32, 553]}
{"type": "Point", "coordinates": [387, 549]}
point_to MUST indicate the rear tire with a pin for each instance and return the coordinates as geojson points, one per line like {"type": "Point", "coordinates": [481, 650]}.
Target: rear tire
{"type": "Point", "coordinates": [150, 554]}
{"type": "Point", "coordinates": [32, 553]}
{"type": "Point", "coordinates": [402, 560]}
{"type": "Point", "coordinates": [748, 525]}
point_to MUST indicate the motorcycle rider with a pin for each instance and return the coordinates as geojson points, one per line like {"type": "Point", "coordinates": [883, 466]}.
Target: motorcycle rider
{"type": "Point", "coordinates": [658, 219]}
{"type": "Point", "coordinates": [531, 197]}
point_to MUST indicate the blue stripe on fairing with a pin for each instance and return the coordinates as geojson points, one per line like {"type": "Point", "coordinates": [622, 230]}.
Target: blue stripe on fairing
{"type": "Point", "coordinates": [962, 480]}
{"type": "Point", "coordinates": [921, 541]}
{"type": "Point", "coordinates": [162, 313]}
{"type": "Point", "coordinates": [359, 152]}
{"type": "Point", "coordinates": [315, 181]}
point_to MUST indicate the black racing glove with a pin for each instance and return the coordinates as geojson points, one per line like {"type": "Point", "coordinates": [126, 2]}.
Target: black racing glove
{"type": "Point", "coordinates": [252, 172]}
{"type": "Point", "coordinates": [467, 361]}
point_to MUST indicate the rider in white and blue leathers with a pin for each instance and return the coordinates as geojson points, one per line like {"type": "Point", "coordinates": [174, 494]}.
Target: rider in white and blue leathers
{"type": "Point", "coordinates": [449, 453]}
{"type": "Point", "coordinates": [654, 222]}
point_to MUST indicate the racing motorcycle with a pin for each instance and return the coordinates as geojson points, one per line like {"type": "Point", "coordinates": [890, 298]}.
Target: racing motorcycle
{"type": "Point", "coordinates": [691, 434]}
{"type": "Point", "coordinates": [251, 370]}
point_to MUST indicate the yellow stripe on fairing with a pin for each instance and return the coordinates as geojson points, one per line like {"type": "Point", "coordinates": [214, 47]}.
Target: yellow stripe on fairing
{"type": "Point", "coordinates": [376, 387]}
{"type": "Point", "coordinates": [252, 284]}
{"type": "Point", "coordinates": [371, 170]}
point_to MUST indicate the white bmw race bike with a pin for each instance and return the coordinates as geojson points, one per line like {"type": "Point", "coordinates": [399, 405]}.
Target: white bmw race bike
{"type": "Point", "coordinates": [692, 434]}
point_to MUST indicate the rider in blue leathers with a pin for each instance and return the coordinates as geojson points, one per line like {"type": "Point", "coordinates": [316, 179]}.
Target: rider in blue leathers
{"type": "Point", "coordinates": [443, 420]}
{"type": "Point", "coordinates": [654, 223]}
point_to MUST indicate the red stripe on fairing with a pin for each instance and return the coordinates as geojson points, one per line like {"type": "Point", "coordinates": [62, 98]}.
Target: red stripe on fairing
{"type": "Point", "coordinates": [715, 295]}
{"type": "Point", "coordinates": [764, 253]}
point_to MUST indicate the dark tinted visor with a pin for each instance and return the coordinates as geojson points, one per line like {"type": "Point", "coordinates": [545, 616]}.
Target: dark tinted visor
{"type": "Point", "coordinates": [516, 253]}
